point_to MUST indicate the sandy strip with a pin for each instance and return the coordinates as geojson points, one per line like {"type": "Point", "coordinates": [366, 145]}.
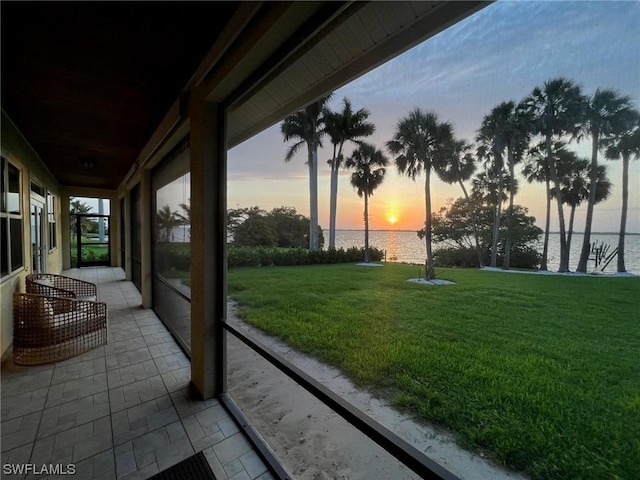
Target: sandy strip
{"type": "Point", "coordinates": [435, 281]}
{"type": "Point", "coordinates": [314, 442]}
{"type": "Point", "coordinates": [593, 274]}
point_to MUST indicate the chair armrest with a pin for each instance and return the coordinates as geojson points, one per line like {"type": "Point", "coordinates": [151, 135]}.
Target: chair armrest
{"type": "Point", "coordinates": [51, 284]}
{"type": "Point", "coordinates": [81, 288]}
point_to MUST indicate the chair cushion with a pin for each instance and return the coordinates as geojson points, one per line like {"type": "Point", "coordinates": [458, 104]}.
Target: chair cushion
{"type": "Point", "coordinates": [45, 313]}
{"type": "Point", "coordinates": [87, 298]}
{"type": "Point", "coordinates": [43, 281]}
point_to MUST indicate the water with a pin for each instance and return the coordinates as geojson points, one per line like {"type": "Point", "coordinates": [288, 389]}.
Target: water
{"type": "Point", "coordinates": [406, 247]}
{"type": "Point", "coordinates": [400, 246]}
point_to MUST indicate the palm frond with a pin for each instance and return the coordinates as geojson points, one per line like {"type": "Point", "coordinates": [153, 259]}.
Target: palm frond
{"type": "Point", "coordinates": [293, 149]}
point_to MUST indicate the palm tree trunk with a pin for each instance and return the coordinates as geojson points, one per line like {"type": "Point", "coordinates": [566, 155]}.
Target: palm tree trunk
{"type": "Point", "coordinates": [586, 240]}
{"type": "Point", "coordinates": [507, 243]}
{"type": "Point", "coordinates": [496, 224]}
{"type": "Point", "coordinates": [496, 233]}
{"type": "Point", "coordinates": [570, 231]}
{"type": "Point", "coordinates": [367, 256]}
{"type": "Point", "coordinates": [545, 246]}
{"type": "Point", "coordinates": [496, 220]}
{"type": "Point", "coordinates": [101, 219]}
{"type": "Point", "coordinates": [564, 254]}
{"type": "Point", "coordinates": [474, 222]}
{"type": "Point", "coordinates": [333, 200]}
{"type": "Point", "coordinates": [313, 196]}
{"type": "Point", "coordinates": [430, 273]}
{"type": "Point", "coordinates": [623, 215]}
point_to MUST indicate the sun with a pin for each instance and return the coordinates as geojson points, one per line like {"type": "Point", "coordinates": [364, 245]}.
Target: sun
{"type": "Point", "coordinates": [392, 219]}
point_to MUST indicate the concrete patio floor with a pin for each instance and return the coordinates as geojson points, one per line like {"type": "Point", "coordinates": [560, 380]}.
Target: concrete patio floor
{"type": "Point", "coordinates": [121, 411]}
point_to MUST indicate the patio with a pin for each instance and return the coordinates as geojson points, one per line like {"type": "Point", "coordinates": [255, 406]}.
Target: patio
{"type": "Point", "coordinates": [124, 410]}
{"type": "Point", "coordinates": [119, 116]}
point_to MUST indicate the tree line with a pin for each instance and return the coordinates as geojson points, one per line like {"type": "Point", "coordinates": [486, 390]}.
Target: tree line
{"type": "Point", "coordinates": [281, 227]}
{"type": "Point", "coordinates": [534, 132]}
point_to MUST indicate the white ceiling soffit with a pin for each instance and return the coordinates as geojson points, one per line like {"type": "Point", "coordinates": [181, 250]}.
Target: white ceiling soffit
{"type": "Point", "coordinates": [367, 36]}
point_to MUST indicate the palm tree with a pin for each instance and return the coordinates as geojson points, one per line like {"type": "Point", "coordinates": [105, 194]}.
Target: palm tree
{"type": "Point", "coordinates": [420, 143]}
{"type": "Point", "coordinates": [505, 128]}
{"type": "Point", "coordinates": [517, 136]}
{"type": "Point", "coordinates": [536, 169]}
{"type": "Point", "coordinates": [307, 126]}
{"type": "Point", "coordinates": [575, 174]}
{"type": "Point", "coordinates": [184, 219]}
{"type": "Point", "coordinates": [626, 145]}
{"type": "Point", "coordinates": [494, 168]}
{"type": "Point", "coordinates": [369, 165]}
{"type": "Point", "coordinates": [488, 189]}
{"type": "Point", "coordinates": [78, 207]}
{"type": "Point", "coordinates": [341, 127]}
{"type": "Point", "coordinates": [556, 109]}
{"type": "Point", "coordinates": [607, 112]}
{"type": "Point", "coordinates": [167, 220]}
{"type": "Point", "coordinates": [458, 167]}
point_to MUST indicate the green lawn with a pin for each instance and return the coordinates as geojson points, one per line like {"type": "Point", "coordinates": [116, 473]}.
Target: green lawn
{"type": "Point", "coordinates": [89, 252]}
{"type": "Point", "coordinates": [541, 371]}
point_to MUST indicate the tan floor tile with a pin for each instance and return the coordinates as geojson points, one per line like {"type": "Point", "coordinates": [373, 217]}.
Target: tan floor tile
{"type": "Point", "coordinates": [115, 412]}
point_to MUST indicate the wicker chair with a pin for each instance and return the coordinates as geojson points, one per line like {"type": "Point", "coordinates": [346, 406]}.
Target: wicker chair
{"type": "Point", "coordinates": [40, 335]}
{"type": "Point", "coordinates": [61, 286]}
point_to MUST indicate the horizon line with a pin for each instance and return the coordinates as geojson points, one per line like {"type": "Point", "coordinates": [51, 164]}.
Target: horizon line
{"type": "Point", "coordinates": [410, 230]}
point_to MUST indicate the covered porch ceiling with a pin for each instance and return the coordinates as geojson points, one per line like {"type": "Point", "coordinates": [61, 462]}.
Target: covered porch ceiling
{"type": "Point", "coordinates": [107, 84]}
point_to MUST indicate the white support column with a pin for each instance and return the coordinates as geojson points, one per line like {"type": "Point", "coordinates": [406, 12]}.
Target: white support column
{"type": "Point", "coordinates": [208, 245]}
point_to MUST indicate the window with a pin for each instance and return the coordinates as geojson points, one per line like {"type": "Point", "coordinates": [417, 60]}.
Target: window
{"type": "Point", "coordinates": [51, 220]}
{"type": "Point", "coordinates": [171, 183]}
{"type": "Point", "coordinates": [37, 189]}
{"type": "Point", "coordinates": [10, 219]}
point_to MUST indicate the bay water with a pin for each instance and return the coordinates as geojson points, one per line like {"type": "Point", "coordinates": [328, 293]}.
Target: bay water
{"type": "Point", "coordinates": [405, 247]}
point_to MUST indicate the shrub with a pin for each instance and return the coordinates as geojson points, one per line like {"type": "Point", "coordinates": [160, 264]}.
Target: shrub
{"type": "Point", "coordinates": [272, 256]}
{"type": "Point", "coordinates": [173, 256]}
{"type": "Point", "coordinates": [455, 257]}
{"type": "Point", "coordinates": [524, 257]}
{"type": "Point", "coordinates": [521, 257]}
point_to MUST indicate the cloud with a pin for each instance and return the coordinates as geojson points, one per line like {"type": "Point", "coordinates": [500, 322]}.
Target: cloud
{"type": "Point", "coordinates": [501, 53]}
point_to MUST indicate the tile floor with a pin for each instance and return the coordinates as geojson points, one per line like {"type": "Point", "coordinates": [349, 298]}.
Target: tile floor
{"type": "Point", "coordinates": [121, 411]}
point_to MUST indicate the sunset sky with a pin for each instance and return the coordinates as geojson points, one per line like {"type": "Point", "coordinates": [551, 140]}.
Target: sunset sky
{"type": "Point", "coordinates": [499, 54]}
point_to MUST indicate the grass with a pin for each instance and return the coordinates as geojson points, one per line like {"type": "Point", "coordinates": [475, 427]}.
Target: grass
{"type": "Point", "coordinates": [89, 252]}
{"type": "Point", "coordinates": [543, 372]}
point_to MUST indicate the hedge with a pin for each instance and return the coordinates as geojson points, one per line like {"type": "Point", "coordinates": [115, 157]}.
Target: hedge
{"type": "Point", "coordinates": [272, 256]}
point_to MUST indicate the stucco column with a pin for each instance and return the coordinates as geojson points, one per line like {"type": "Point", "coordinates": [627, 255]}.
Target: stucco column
{"type": "Point", "coordinates": [65, 227]}
{"type": "Point", "coordinates": [113, 230]}
{"type": "Point", "coordinates": [208, 245]}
